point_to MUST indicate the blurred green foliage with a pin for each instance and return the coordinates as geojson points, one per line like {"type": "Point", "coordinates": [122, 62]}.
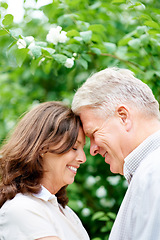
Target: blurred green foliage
{"type": "Point", "coordinates": [100, 33]}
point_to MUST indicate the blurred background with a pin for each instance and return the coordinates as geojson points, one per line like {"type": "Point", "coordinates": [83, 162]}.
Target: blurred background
{"type": "Point", "coordinates": [49, 48]}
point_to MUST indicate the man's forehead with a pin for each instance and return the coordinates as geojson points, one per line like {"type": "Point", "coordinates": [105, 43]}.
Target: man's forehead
{"type": "Point", "coordinates": [87, 125]}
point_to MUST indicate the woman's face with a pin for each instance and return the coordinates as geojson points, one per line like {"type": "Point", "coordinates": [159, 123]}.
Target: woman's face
{"type": "Point", "coordinates": [60, 169]}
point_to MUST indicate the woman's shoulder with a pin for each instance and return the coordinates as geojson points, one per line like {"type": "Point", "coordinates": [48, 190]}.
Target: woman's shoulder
{"type": "Point", "coordinates": [22, 208]}
{"type": "Point", "coordinates": [18, 205]}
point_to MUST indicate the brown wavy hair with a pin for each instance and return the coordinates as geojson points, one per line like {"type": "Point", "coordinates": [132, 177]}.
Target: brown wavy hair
{"type": "Point", "coordinates": [21, 164]}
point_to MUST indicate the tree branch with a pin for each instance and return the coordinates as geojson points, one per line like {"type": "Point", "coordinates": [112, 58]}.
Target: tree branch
{"type": "Point", "coordinates": [116, 57]}
{"type": "Point", "coordinates": [3, 28]}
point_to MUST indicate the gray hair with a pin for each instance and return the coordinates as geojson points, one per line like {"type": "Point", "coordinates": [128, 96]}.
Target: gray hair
{"type": "Point", "coordinates": [113, 86]}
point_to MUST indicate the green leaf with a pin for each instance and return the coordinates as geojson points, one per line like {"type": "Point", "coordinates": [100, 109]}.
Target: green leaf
{"type": "Point", "coordinates": [108, 227]}
{"type": "Point", "coordinates": [72, 33]}
{"type": "Point", "coordinates": [124, 41]}
{"type": "Point", "coordinates": [145, 16]}
{"type": "Point", "coordinates": [96, 51]}
{"type": "Point", "coordinates": [104, 218]}
{"type": "Point", "coordinates": [86, 36]}
{"type": "Point", "coordinates": [4, 5]}
{"type": "Point", "coordinates": [86, 57]}
{"type": "Point", "coordinates": [145, 39]}
{"type": "Point", "coordinates": [36, 51]}
{"type": "Point", "coordinates": [157, 73]}
{"type": "Point", "coordinates": [118, 1]}
{"type": "Point", "coordinates": [60, 58]}
{"type": "Point", "coordinates": [97, 28]}
{"type": "Point", "coordinates": [2, 32]}
{"type": "Point", "coordinates": [137, 4]}
{"type": "Point", "coordinates": [135, 43]}
{"type": "Point", "coordinates": [79, 39]}
{"type": "Point", "coordinates": [74, 47]}
{"type": "Point", "coordinates": [34, 65]}
{"type": "Point", "coordinates": [98, 215]}
{"type": "Point", "coordinates": [111, 47]}
{"type": "Point", "coordinates": [21, 55]}
{"type": "Point", "coordinates": [83, 63]}
{"type": "Point", "coordinates": [15, 33]}
{"type": "Point", "coordinates": [97, 238]}
{"type": "Point", "coordinates": [51, 51]}
{"type": "Point", "coordinates": [67, 53]}
{"type": "Point", "coordinates": [95, 5]}
{"type": "Point", "coordinates": [111, 215]}
{"type": "Point", "coordinates": [104, 229]}
{"type": "Point", "coordinates": [96, 38]}
{"type": "Point", "coordinates": [8, 19]}
{"type": "Point", "coordinates": [141, 30]}
{"type": "Point", "coordinates": [153, 32]}
{"type": "Point", "coordinates": [152, 24]}
{"type": "Point", "coordinates": [11, 45]}
{"type": "Point", "coordinates": [41, 44]}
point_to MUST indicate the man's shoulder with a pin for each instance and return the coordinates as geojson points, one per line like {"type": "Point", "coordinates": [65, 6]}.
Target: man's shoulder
{"type": "Point", "coordinates": [152, 161]}
{"type": "Point", "coordinates": [150, 166]}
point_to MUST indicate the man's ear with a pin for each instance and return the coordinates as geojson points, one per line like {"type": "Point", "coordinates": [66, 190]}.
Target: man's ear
{"type": "Point", "coordinates": [123, 113]}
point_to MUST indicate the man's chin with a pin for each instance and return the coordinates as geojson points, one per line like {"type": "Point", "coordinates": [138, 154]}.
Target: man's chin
{"type": "Point", "coordinates": [115, 170]}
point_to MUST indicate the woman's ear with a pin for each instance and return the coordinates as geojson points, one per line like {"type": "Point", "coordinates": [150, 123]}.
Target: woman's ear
{"type": "Point", "coordinates": [41, 154]}
{"type": "Point", "coordinates": [123, 113]}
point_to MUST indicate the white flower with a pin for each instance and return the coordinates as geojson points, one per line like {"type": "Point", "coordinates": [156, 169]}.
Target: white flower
{"type": "Point", "coordinates": [80, 204]}
{"type": "Point", "coordinates": [29, 38]}
{"type": "Point", "coordinates": [114, 180]}
{"type": "Point", "coordinates": [101, 192]}
{"type": "Point", "coordinates": [21, 43]}
{"type": "Point", "coordinates": [90, 181]}
{"type": "Point", "coordinates": [62, 37]}
{"type": "Point", "coordinates": [107, 203]}
{"type": "Point", "coordinates": [32, 45]}
{"type": "Point", "coordinates": [55, 35]}
{"type": "Point", "coordinates": [74, 54]}
{"type": "Point", "coordinates": [86, 212]}
{"type": "Point", "coordinates": [69, 63]}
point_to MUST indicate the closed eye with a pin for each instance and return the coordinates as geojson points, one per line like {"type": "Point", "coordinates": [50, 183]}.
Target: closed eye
{"type": "Point", "coordinates": [74, 149]}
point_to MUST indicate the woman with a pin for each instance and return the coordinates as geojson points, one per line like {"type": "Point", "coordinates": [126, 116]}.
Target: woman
{"type": "Point", "coordinates": [37, 163]}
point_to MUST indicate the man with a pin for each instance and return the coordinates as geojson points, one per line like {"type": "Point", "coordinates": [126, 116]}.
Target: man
{"type": "Point", "coordinates": [121, 117]}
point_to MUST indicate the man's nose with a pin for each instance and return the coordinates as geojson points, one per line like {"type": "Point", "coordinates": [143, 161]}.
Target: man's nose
{"type": "Point", "coordinates": [93, 148]}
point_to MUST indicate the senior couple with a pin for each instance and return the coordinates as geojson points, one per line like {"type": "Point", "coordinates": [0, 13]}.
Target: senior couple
{"type": "Point", "coordinates": [120, 115]}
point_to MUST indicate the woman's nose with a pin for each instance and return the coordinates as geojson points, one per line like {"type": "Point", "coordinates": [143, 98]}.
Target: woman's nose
{"type": "Point", "coordinates": [81, 158]}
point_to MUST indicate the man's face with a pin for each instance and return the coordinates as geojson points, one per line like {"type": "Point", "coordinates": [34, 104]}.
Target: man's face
{"type": "Point", "coordinates": [108, 137]}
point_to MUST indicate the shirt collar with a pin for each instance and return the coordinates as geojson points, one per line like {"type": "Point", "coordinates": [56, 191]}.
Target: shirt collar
{"type": "Point", "coordinates": [133, 160]}
{"type": "Point", "coordinates": [45, 195]}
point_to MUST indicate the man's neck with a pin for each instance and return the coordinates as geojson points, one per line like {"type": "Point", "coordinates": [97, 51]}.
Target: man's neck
{"type": "Point", "coordinates": [146, 128]}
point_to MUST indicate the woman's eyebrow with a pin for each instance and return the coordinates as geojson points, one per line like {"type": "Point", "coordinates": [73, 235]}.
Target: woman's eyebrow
{"type": "Point", "coordinates": [81, 142]}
